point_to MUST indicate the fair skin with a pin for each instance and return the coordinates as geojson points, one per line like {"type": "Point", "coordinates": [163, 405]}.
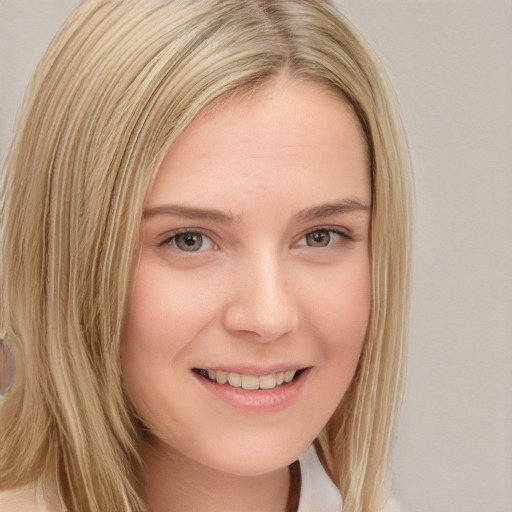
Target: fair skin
{"type": "Point", "coordinates": [254, 263]}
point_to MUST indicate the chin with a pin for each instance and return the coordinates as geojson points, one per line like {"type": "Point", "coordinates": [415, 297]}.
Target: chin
{"type": "Point", "coordinates": [256, 457]}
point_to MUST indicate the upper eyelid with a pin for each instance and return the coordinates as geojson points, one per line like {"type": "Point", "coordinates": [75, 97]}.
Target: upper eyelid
{"type": "Point", "coordinates": [343, 231]}
{"type": "Point", "coordinates": [336, 232]}
{"type": "Point", "coordinates": [180, 231]}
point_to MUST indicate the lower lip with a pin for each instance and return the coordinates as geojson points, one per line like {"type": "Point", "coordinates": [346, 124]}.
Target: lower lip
{"type": "Point", "coordinates": [259, 401]}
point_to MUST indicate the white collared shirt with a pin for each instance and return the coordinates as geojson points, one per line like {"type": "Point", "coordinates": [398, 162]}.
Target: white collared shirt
{"type": "Point", "coordinates": [318, 492]}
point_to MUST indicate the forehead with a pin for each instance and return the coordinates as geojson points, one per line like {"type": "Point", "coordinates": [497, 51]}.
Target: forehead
{"type": "Point", "coordinates": [287, 135]}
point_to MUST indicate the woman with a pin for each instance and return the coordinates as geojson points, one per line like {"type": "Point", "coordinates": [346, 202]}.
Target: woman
{"type": "Point", "coordinates": [205, 245]}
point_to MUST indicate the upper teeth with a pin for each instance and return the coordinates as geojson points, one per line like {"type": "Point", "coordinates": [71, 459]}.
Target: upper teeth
{"type": "Point", "coordinates": [251, 382]}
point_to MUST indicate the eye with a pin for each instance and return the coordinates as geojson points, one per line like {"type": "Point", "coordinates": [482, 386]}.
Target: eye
{"type": "Point", "coordinates": [190, 241]}
{"type": "Point", "coordinates": [319, 238]}
{"type": "Point", "coordinates": [323, 237]}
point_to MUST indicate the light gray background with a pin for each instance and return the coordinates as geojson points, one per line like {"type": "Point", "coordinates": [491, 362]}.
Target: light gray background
{"type": "Point", "coordinates": [451, 63]}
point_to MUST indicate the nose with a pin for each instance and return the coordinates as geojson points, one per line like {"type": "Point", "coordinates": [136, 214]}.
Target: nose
{"type": "Point", "coordinates": [263, 305]}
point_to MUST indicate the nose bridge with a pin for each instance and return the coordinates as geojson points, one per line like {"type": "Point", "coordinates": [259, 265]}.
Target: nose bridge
{"type": "Point", "coordinates": [263, 301]}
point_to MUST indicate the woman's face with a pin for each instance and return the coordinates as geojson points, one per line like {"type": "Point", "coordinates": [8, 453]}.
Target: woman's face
{"type": "Point", "coordinates": [253, 269]}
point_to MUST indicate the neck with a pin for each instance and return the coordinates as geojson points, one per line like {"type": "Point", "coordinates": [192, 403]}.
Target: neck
{"type": "Point", "coordinates": [175, 483]}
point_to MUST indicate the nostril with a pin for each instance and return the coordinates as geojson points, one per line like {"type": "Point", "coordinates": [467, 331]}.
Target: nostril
{"type": "Point", "coordinates": [263, 324]}
{"type": "Point", "coordinates": [263, 303]}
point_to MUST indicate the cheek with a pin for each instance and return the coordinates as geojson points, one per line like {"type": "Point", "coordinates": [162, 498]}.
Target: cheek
{"type": "Point", "coordinates": [341, 320]}
{"type": "Point", "coordinates": [166, 312]}
{"type": "Point", "coordinates": [341, 309]}
{"type": "Point", "coordinates": [165, 306]}
{"type": "Point", "coordinates": [150, 325]}
{"type": "Point", "coordinates": [338, 317]}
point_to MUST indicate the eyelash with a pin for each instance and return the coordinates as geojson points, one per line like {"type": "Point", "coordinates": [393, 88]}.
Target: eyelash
{"type": "Point", "coordinates": [171, 240]}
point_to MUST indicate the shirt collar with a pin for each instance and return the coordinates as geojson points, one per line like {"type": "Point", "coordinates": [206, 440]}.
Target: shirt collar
{"type": "Point", "coordinates": [318, 492]}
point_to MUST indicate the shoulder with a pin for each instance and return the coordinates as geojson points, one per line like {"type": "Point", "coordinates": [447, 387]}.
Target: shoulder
{"type": "Point", "coordinates": [18, 500]}
{"type": "Point", "coordinates": [23, 499]}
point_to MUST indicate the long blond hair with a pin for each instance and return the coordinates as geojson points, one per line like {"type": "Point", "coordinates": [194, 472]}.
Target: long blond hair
{"type": "Point", "coordinates": [118, 84]}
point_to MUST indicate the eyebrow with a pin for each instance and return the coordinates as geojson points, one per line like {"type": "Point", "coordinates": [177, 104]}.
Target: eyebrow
{"type": "Point", "coordinates": [189, 212]}
{"type": "Point", "coordinates": [315, 212]}
{"type": "Point", "coordinates": [333, 208]}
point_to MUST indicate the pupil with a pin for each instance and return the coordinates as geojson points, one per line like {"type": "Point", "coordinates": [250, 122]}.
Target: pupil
{"type": "Point", "coordinates": [189, 241]}
{"type": "Point", "coordinates": [319, 238]}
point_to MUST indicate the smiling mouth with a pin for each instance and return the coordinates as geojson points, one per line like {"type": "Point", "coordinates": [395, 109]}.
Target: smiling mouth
{"type": "Point", "coordinates": [250, 382]}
